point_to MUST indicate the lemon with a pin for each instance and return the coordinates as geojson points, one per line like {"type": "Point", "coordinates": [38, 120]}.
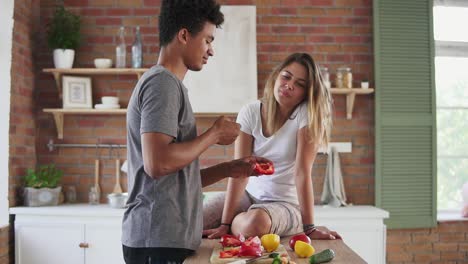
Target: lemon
{"type": "Point", "coordinates": [270, 242]}
{"type": "Point", "coordinates": [303, 249]}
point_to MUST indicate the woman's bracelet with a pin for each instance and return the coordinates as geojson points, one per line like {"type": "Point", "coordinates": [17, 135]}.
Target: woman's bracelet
{"type": "Point", "coordinates": [306, 227]}
{"type": "Point", "coordinates": [226, 224]}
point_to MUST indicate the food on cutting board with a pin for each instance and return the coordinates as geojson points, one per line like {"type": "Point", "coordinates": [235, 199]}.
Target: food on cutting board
{"type": "Point", "coordinates": [303, 249]}
{"type": "Point", "coordinates": [301, 237]}
{"type": "Point", "coordinates": [270, 242]}
{"type": "Point", "coordinates": [238, 248]}
{"type": "Point", "coordinates": [325, 256]}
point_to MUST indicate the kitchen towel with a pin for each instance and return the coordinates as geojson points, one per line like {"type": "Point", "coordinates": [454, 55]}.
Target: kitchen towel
{"type": "Point", "coordinates": [333, 193]}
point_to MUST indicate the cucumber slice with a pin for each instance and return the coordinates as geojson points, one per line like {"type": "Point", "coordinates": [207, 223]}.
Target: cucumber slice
{"type": "Point", "coordinates": [322, 257]}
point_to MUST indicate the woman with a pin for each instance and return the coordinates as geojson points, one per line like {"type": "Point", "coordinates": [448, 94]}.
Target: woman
{"type": "Point", "coordinates": [286, 126]}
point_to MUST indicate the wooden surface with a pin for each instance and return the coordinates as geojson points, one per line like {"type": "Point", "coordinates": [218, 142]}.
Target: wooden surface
{"type": "Point", "coordinates": [343, 253]}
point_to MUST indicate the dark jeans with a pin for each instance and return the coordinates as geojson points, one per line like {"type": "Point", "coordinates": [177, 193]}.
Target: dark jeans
{"type": "Point", "coordinates": [155, 255]}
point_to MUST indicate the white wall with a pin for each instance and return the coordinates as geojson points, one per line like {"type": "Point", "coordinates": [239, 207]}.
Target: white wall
{"type": "Point", "coordinates": [6, 35]}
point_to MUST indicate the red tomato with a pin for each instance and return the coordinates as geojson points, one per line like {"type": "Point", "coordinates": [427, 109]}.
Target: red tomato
{"type": "Point", "coordinates": [264, 168]}
{"type": "Point", "coordinates": [295, 238]}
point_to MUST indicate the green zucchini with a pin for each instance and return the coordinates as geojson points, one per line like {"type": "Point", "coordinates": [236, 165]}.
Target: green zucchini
{"type": "Point", "coordinates": [322, 257]}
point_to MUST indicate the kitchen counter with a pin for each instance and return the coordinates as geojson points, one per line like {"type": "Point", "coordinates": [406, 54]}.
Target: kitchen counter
{"type": "Point", "coordinates": [343, 253]}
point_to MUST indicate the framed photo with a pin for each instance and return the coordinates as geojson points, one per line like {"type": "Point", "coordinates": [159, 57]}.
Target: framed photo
{"type": "Point", "coordinates": [76, 92]}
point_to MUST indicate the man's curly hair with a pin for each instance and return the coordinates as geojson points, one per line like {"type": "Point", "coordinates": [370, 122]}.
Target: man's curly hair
{"type": "Point", "coordinates": [190, 14]}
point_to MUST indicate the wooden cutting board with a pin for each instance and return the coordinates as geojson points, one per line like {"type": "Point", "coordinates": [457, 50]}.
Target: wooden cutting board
{"type": "Point", "coordinates": [215, 259]}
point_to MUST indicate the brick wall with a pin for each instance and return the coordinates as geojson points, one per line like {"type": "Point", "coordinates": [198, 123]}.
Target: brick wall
{"type": "Point", "coordinates": [335, 32]}
{"type": "Point", "coordinates": [446, 243]}
{"type": "Point", "coordinates": [22, 154]}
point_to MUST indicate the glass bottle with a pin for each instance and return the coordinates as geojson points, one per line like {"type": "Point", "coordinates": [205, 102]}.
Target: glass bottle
{"type": "Point", "coordinates": [93, 196]}
{"type": "Point", "coordinates": [70, 194]}
{"type": "Point", "coordinates": [325, 77]}
{"type": "Point", "coordinates": [137, 50]}
{"type": "Point", "coordinates": [120, 50]}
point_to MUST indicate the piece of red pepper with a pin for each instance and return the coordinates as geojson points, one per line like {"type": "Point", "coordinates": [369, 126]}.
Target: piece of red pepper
{"type": "Point", "coordinates": [230, 241]}
{"type": "Point", "coordinates": [264, 168]}
{"type": "Point", "coordinates": [229, 253]}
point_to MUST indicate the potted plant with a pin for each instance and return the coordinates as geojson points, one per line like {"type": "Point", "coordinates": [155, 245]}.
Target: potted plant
{"type": "Point", "coordinates": [63, 37]}
{"type": "Point", "coordinates": [42, 186]}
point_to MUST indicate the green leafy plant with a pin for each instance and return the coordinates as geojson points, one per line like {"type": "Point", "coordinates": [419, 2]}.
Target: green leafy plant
{"type": "Point", "coordinates": [46, 176]}
{"type": "Point", "coordinates": [63, 31]}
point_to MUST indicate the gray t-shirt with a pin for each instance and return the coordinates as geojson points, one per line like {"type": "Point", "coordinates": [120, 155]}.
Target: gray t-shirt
{"type": "Point", "coordinates": [166, 212]}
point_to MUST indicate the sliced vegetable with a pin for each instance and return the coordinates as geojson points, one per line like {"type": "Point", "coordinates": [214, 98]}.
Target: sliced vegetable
{"type": "Point", "coordinates": [303, 250]}
{"type": "Point", "coordinates": [229, 253]}
{"type": "Point", "coordinates": [274, 255]}
{"type": "Point", "coordinates": [325, 256]}
{"type": "Point", "coordinates": [230, 241]}
{"type": "Point", "coordinates": [270, 242]}
{"type": "Point", "coordinates": [250, 251]}
{"type": "Point", "coordinates": [264, 168]}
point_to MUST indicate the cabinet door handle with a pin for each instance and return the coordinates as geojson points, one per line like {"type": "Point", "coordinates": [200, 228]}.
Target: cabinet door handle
{"type": "Point", "coordinates": [84, 245]}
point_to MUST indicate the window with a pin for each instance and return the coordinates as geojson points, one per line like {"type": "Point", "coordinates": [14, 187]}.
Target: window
{"type": "Point", "coordinates": [6, 19]}
{"type": "Point", "coordinates": [451, 76]}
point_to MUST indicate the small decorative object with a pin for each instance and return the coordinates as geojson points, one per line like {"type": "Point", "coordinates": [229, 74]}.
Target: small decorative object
{"type": "Point", "coordinates": [70, 194]}
{"type": "Point", "coordinates": [94, 196]}
{"type": "Point", "coordinates": [137, 50]}
{"type": "Point", "coordinates": [63, 35]}
{"type": "Point", "coordinates": [326, 77]}
{"type": "Point", "coordinates": [108, 102]}
{"type": "Point", "coordinates": [121, 50]}
{"type": "Point", "coordinates": [102, 63]}
{"type": "Point", "coordinates": [77, 92]}
{"type": "Point", "coordinates": [465, 199]}
{"type": "Point", "coordinates": [41, 186]}
{"type": "Point", "coordinates": [365, 84]}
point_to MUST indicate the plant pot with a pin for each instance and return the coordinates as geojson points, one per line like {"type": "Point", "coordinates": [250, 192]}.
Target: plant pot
{"type": "Point", "coordinates": [63, 58]}
{"type": "Point", "coordinates": [41, 196]}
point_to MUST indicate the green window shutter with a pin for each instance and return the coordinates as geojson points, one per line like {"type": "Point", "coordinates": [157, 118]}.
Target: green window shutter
{"type": "Point", "coordinates": [405, 112]}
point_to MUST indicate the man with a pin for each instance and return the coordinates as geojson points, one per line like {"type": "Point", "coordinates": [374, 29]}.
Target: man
{"type": "Point", "coordinates": [163, 221]}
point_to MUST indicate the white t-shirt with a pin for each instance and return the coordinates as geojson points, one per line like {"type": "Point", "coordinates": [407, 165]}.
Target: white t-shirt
{"type": "Point", "coordinates": [279, 148]}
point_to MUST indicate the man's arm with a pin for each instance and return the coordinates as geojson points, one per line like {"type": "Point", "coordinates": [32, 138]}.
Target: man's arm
{"type": "Point", "coordinates": [161, 156]}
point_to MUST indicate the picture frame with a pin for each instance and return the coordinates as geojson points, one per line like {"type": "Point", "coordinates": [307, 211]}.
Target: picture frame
{"type": "Point", "coordinates": [77, 92]}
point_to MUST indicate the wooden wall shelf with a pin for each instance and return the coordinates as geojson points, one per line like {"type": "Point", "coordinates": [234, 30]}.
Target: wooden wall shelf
{"type": "Point", "coordinates": [92, 71]}
{"type": "Point", "coordinates": [350, 97]}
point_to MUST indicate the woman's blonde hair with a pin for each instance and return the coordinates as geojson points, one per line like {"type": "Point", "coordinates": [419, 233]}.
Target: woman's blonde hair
{"type": "Point", "coordinates": [318, 100]}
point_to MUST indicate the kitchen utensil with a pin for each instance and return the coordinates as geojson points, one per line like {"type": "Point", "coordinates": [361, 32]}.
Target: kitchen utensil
{"type": "Point", "coordinates": [96, 176]}
{"type": "Point", "coordinates": [247, 261]}
{"type": "Point", "coordinates": [117, 200]}
{"type": "Point", "coordinates": [117, 187]}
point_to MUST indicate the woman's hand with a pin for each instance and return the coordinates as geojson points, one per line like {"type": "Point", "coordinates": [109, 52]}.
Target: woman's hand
{"type": "Point", "coordinates": [216, 232]}
{"type": "Point", "coordinates": [325, 235]}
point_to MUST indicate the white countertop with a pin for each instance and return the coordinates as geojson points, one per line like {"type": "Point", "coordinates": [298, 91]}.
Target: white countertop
{"type": "Point", "coordinates": [355, 212]}
{"type": "Point", "coordinates": [69, 210]}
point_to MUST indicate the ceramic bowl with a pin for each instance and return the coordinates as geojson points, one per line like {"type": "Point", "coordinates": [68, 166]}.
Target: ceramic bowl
{"type": "Point", "coordinates": [110, 100]}
{"type": "Point", "coordinates": [117, 200]}
{"type": "Point", "coordinates": [102, 63]}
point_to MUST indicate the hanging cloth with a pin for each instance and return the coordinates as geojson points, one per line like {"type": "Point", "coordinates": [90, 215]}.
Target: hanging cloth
{"type": "Point", "coordinates": [333, 188]}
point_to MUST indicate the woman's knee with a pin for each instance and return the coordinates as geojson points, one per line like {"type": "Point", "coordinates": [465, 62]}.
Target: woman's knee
{"type": "Point", "coordinates": [255, 222]}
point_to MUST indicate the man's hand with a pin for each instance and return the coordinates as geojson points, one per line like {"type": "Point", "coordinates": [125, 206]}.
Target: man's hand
{"type": "Point", "coordinates": [245, 167]}
{"type": "Point", "coordinates": [216, 232]}
{"type": "Point", "coordinates": [225, 130]}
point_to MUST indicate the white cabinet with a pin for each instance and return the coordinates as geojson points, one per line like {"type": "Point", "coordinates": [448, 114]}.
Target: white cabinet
{"type": "Point", "coordinates": [361, 227]}
{"type": "Point", "coordinates": [81, 234]}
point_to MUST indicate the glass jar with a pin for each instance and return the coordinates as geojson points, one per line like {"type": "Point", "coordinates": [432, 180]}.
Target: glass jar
{"type": "Point", "coordinates": [325, 77]}
{"type": "Point", "coordinates": [344, 77]}
{"type": "Point", "coordinates": [70, 194]}
{"type": "Point", "coordinates": [93, 196]}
